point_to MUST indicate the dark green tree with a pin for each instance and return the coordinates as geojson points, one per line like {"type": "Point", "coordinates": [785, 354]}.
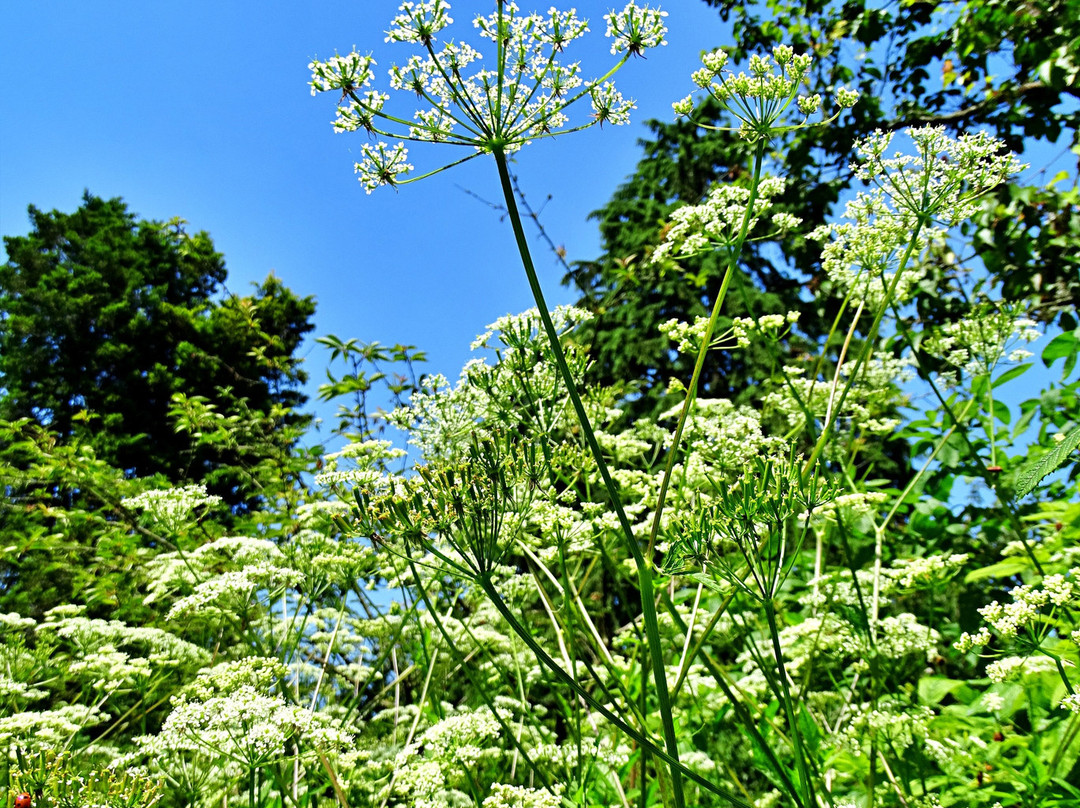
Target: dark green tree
{"type": "Point", "coordinates": [105, 318]}
{"type": "Point", "coordinates": [1010, 68]}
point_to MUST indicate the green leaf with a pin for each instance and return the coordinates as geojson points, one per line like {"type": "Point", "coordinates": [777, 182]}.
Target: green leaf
{"type": "Point", "coordinates": [1023, 422]}
{"type": "Point", "coordinates": [1059, 347]}
{"type": "Point", "coordinates": [709, 582]}
{"type": "Point", "coordinates": [1031, 474]}
{"type": "Point", "coordinates": [932, 689]}
{"type": "Point", "coordinates": [1002, 569]}
{"type": "Point", "coordinates": [1001, 412]}
{"type": "Point", "coordinates": [1011, 374]}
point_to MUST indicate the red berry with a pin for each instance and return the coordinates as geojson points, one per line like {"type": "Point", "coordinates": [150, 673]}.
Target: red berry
{"type": "Point", "coordinates": [23, 800]}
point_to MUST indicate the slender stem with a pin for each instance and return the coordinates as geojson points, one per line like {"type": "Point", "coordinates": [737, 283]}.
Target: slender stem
{"type": "Point", "coordinates": [463, 662]}
{"type": "Point", "coordinates": [644, 566]}
{"type": "Point", "coordinates": [691, 391]}
{"type": "Point", "coordinates": [796, 734]}
{"type": "Point", "coordinates": [868, 345]}
{"type": "Point", "coordinates": [545, 658]}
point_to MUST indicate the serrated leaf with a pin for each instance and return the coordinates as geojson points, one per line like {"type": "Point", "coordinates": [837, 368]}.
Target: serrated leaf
{"type": "Point", "coordinates": [1031, 474]}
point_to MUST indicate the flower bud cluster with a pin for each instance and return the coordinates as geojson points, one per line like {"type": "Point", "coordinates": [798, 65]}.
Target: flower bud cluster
{"type": "Point", "coordinates": [769, 326]}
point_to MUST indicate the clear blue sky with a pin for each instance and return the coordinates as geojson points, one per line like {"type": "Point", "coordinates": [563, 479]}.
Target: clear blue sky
{"type": "Point", "coordinates": [202, 110]}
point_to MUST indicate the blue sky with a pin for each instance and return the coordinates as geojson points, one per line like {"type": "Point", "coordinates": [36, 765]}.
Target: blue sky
{"type": "Point", "coordinates": [202, 110]}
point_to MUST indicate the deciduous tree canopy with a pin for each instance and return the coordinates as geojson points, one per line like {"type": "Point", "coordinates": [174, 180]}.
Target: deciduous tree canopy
{"type": "Point", "coordinates": [105, 317]}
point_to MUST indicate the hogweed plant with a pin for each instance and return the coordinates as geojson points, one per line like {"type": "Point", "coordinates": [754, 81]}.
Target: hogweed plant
{"type": "Point", "coordinates": [820, 598]}
{"type": "Point", "coordinates": [496, 110]}
{"type": "Point", "coordinates": [532, 501]}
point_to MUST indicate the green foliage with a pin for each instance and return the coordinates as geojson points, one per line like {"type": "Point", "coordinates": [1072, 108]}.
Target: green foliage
{"type": "Point", "coordinates": [1035, 472]}
{"type": "Point", "coordinates": [999, 66]}
{"type": "Point", "coordinates": [105, 318]}
{"type": "Point", "coordinates": [57, 781]}
{"type": "Point", "coordinates": [558, 601]}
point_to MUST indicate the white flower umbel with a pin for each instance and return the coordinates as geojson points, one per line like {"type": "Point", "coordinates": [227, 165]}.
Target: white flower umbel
{"type": "Point", "coordinates": [248, 727]}
{"type": "Point", "coordinates": [987, 337]}
{"type": "Point", "coordinates": [945, 176]}
{"type": "Point", "coordinates": [48, 729]}
{"type": "Point", "coordinates": [1031, 610]}
{"type": "Point", "coordinates": [172, 507]}
{"type": "Point", "coordinates": [718, 222]}
{"type": "Point", "coordinates": [505, 796]}
{"type": "Point", "coordinates": [89, 636]}
{"type": "Point", "coordinates": [762, 99]}
{"type": "Point", "coordinates": [522, 95]}
{"type": "Point", "coordinates": [233, 589]}
{"type": "Point", "coordinates": [1035, 621]}
{"type": "Point", "coordinates": [862, 253]}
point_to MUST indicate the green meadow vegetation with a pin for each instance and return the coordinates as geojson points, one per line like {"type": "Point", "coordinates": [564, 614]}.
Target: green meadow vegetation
{"type": "Point", "coordinates": [782, 512]}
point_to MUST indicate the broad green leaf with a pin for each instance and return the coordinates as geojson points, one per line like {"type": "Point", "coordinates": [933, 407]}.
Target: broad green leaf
{"type": "Point", "coordinates": [1001, 412]}
{"type": "Point", "coordinates": [932, 689]}
{"type": "Point", "coordinates": [1031, 474]}
{"type": "Point", "coordinates": [1002, 569]}
{"type": "Point", "coordinates": [1011, 374]}
{"type": "Point", "coordinates": [1060, 346]}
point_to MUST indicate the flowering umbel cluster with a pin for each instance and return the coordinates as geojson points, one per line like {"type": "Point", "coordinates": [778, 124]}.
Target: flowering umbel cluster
{"type": "Point", "coordinates": [761, 98]}
{"type": "Point", "coordinates": [977, 344]}
{"type": "Point", "coordinates": [872, 255]}
{"type": "Point", "coordinates": [718, 222]}
{"type": "Point", "coordinates": [502, 106]}
{"type": "Point", "coordinates": [945, 176]}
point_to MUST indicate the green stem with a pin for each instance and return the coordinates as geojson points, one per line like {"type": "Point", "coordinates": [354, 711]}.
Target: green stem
{"type": "Point", "coordinates": [619, 723]}
{"type": "Point", "coordinates": [691, 391]}
{"type": "Point", "coordinates": [1061, 671]}
{"type": "Point", "coordinates": [1008, 504]}
{"type": "Point", "coordinates": [644, 571]}
{"type": "Point", "coordinates": [868, 345]}
{"type": "Point", "coordinates": [463, 664]}
{"type": "Point", "coordinates": [796, 735]}
{"type": "Point", "coordinates": [713, 668]}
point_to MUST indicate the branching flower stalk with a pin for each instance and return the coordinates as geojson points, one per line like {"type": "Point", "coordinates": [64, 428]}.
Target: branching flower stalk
{"type": "Point", "coordinates": [496, 112]}
{"type": "Point", "coordinates": [942, 182]}
{"type": "Point", "coordinates": [760, 102]}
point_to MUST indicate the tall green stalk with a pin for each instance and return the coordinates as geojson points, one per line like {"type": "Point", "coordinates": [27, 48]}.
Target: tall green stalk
{"type": "Point", "coordinates": [639, 736]}
{"type": "Point", "coordinates": [796, 735]}
{"type": "Point", "coordinates": [644, 570]}
{"type": "Point", "coordinates": [734, 251]}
